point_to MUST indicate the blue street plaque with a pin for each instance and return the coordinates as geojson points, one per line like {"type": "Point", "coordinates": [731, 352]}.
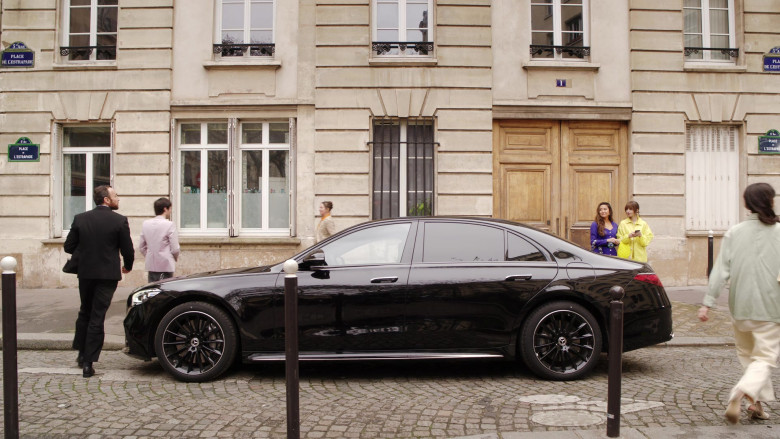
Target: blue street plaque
{"type": "Point", "coordinates": [769, 144]}
{"type": "Point", "coordinates": [772, 60]}
{"type": "Point", "coordinates": [18, 55]}
{"type": "Point", "coordinates": [24, 151]}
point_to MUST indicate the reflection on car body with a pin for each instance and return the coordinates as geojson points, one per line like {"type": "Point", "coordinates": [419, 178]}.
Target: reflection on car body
{"type": "Point", "coordinates": [428, 287]}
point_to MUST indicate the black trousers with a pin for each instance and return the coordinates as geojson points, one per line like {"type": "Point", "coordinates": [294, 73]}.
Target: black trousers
{"type": "Point", "coordinates": [96, 295]}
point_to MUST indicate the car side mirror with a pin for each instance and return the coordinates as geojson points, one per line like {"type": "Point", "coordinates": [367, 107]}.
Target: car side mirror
{"type": "Point", "coordinates": [316, 259]}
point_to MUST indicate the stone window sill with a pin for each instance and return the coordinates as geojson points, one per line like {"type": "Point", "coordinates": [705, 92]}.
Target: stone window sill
{"type": "Point", "coordinates": [704, 233]}
{"type": "Point", "coordinates": [561, 65]}
{"type": "Point", "coordinates": [713, 67]}
{"type": "Point", "coordinates": [402, 61]}
{"type": "Point", "coordinates": [86, 65]}
{"type": "Point", "coordinates": [213, 240]}
{"type": "Point", "coordinates": [243, 65]}
{"type": "Point", "coordinates": [224, 240]}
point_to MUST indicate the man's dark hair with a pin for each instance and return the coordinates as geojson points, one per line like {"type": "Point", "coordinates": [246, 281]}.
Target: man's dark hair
{"type": "Point", "coordinates": [100, 194]}
{"type": "Point", "coordinates": [160, 205]}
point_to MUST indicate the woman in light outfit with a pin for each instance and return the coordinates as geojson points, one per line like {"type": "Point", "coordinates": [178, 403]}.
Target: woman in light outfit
{"type": "Point", "coordinates": [326, 226]}
{"type": "Point", "coordinates": [634, 235]}
{"type": "Point", "coordinates": [750, 258]}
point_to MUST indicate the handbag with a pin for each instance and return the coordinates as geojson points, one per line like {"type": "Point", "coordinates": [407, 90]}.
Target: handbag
{"type": "Point", "coordinates": [72, 265]}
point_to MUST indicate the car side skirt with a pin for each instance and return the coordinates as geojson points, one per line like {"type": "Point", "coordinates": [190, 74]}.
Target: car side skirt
{"type": "Point", "coordinates": [360, 356]}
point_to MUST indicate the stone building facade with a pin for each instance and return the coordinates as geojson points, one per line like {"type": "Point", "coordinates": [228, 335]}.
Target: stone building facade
{"type": "Point", "coordinates": [249, 113]}
{"type": "Point", "coordinates": [697, 115]}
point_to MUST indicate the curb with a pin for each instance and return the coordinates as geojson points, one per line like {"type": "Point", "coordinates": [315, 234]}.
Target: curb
{"type": "Point", "coordinates": [61, 342]}
{"type": "Point", "coordinates": [696, 341]}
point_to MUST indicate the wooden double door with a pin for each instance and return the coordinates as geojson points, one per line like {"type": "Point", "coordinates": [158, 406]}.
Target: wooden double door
{"type": "Point", "coordinates": [552, 174]}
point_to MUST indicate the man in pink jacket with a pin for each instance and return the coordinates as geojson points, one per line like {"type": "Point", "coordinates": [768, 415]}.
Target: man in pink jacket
{"type": "Point", "coordinates": [159, 242]}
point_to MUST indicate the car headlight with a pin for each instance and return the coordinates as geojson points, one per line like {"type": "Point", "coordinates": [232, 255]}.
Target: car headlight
{"type": "Point", "coordinates": [144, 295]}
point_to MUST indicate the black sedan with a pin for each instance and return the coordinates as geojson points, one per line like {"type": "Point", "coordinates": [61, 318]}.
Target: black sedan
{"type": "Point", "coordinates": [407, 288]}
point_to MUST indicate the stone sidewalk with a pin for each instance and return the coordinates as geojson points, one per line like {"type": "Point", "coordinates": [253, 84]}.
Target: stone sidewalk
{"type": "Point", "coordinates": [672, 392]}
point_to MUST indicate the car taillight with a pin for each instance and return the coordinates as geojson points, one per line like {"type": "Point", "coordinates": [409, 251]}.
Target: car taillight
{"type": "Point", "coordinates": [650, 278]}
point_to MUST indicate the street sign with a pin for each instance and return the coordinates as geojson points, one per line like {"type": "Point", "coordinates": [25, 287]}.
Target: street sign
{"type": "Point", "coordinates": [769, 144]}
{"type": "Point", "coordinates": [18, 55]}
{"type": "Point", "coordinates": [772, 60]}
{"type": "Point", "coordinates": [24, 151]}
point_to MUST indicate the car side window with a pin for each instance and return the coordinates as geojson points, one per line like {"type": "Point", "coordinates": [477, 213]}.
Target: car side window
{"type": "Point", "coordinates": [518, 249]}
{"type": "Point", "coordinates": [455, 242]}
{"type": "Point", "coordinates": [374, 245]}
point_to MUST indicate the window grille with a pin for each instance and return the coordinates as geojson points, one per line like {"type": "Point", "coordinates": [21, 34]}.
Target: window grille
{"type": "Point", "coordinates": [403, 168]}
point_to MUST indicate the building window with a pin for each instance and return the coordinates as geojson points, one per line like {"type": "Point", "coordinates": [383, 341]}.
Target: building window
{"type": "Point", "coordinates": [402, 28]}
{"type": "Point", "coordinates": [265, 176]}
{"type": "Point", "coordinates": [559, 29]}
{"type": "Point", "coordinates": [709, 30]}
{"type": "Point", "coordinates": [403, 168]}
{"type": "Point", "coordinates": [257, 200]}
{"type": "Point", "coordinates": [86, 164]}
{"type": "Point", "coordinates": [91, 30]}
{"type": "Point", "coordinates": [246, 28]}
{"type": "Point", "coordinates": [712, 177]}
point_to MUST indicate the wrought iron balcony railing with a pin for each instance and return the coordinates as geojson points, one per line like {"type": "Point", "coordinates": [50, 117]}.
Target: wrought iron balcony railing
{"type": "Point", "coordinates": [731, 52]}
{"type": "Point", "coordinates": [576, 51]}
{"type": "Point", "coordinates": [384, 47]}
{"type": "Point", "coordinates": [104, 52]}
{"type": "Point", "coordinates": [230, 49]}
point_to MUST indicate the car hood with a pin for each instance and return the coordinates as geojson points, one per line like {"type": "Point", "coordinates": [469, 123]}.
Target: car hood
{"type": "Point", "coordinates": [226, 272]}
{"type": "Point", "coordinates": [205, 278]}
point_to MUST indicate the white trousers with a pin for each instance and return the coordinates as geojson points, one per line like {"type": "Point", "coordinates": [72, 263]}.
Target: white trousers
{"type": "Point", "coordinates": [758, 349]}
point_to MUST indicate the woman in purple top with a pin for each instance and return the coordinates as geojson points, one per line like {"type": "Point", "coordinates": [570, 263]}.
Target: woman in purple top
{"type": "Point", "coordinates": [603, 232]}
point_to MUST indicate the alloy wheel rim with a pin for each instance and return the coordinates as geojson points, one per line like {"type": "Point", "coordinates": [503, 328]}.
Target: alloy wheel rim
{"type": "Point", "coordinates": [193, 343]}
{"type": "Point", "coordinates": [563, 341]}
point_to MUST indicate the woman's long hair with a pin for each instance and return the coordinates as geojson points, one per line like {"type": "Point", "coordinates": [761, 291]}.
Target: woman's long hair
{"type": "Point", "coordinates": [759, 198]}
{"type": "Point", "coordinates": [600, 220]}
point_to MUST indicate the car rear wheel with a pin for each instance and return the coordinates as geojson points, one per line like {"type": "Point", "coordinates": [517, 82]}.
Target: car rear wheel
{"type": "Point", "coordinates": [560, 341]}
{"type": "Point", "coordinates": [196, 342]}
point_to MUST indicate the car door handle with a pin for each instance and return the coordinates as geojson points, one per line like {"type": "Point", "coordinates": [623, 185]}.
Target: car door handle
{"type": "Point", "coordinates": [384, 280]}
{"type": "Point", "coordinates": [519, 277]}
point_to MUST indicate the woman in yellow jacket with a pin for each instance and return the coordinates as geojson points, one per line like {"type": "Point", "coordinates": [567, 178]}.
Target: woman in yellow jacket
{"type": "Point", "coordinates": [634, 235]}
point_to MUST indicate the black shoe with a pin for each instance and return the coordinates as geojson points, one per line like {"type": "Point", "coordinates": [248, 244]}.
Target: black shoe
{"type": "Point", "coordinates": [80, 360]}
{"type": "Point", "coordinates": [88, 370]}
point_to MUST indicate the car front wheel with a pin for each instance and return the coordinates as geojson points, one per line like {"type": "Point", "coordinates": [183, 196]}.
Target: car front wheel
{"type": "Point", "coordinates": [560, 341]}
{"type": "Point", "coordinates": [195, 342]}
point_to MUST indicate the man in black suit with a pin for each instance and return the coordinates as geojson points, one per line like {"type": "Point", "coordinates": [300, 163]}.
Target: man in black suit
{"type": "Point", "coordinates": [98, 236]}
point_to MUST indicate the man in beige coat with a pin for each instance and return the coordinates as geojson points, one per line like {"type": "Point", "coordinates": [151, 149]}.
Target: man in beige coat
{"type": "Point", "coordinates": [326, 226]}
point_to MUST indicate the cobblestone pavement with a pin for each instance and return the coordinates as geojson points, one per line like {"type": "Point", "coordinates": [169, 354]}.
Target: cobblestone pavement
{"type": "Point", "coordinates": [662, 387]}
{"type": "Point", "coordinates": [686, 321]}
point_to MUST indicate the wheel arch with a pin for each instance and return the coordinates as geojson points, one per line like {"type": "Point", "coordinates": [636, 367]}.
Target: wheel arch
{"type": "Point", "coordinates": [194, 296]}
{"type": "Point", "coordinates": [553, 295]}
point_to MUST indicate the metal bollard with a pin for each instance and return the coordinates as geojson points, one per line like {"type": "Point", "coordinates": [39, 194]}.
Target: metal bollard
{"type": "Point", "coordinates": [10, 372]}
{"type": "Point", "coordinates": [291, 348]}
{"type": "Point", "coordinates": [615, 362]}
{"type": "Point", "coordinates": [710, 240]}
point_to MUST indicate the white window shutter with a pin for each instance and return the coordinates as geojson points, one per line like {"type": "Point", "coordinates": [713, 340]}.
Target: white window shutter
{"type": "Point", "coordinates": [712, 177]}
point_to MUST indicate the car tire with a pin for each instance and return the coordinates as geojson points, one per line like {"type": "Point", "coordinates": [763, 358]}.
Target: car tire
{"type": "Point", "coordinates": [560, 341]}
{"type": "Point", "coordinates": [196, 342]}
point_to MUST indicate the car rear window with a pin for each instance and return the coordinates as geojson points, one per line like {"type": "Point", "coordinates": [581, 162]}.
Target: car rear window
{"type": "Point", "coordinates": [518, 249]}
